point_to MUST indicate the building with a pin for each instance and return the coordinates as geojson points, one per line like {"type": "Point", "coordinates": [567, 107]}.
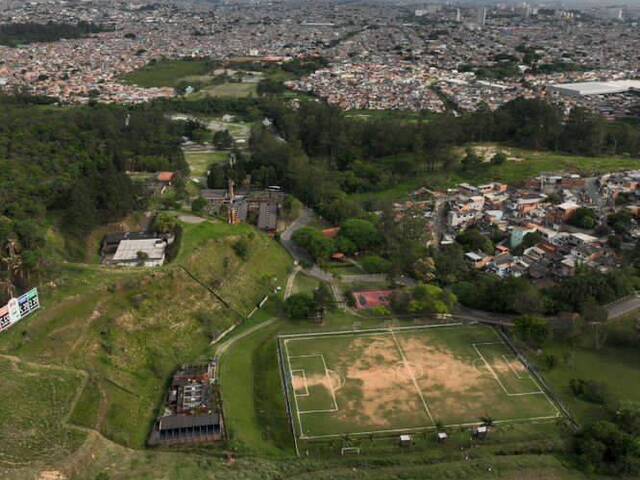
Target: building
{"type": "Point", "coordinates": [135, 249]}
{"type": "Point", "coordinates": [147, 253]}
{"type": "Point", "coordinates": [583, 89]}
{"type": "Point", "coordinates": [193, 413]}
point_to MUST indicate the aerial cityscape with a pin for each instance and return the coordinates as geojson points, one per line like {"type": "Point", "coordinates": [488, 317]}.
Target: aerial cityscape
{"type": "Point", "coordinates": [328, 239]}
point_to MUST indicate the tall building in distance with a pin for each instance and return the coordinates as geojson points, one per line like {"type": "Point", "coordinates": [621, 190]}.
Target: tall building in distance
{"type": "Point", "coordinates": [482, 16]}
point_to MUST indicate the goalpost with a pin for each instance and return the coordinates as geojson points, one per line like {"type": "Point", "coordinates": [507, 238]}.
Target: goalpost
{"type": "Point", "coordinates": [350, 451]}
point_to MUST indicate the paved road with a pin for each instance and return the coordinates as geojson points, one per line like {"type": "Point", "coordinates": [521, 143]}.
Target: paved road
{"type": "Point", "coordinates": [299, 254]}
{"type": "Point", "coordinates": [623, 307]}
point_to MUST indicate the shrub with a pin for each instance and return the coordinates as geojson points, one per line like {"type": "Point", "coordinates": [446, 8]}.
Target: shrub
{"type": "Point", "coordinates": [300, 306]}
{"type": "Point", "coordinates": [375, 264]}
{"type": "Point", "coordinates": [241, 247]}
{"type": "Point", "coordinates": [589, 390]}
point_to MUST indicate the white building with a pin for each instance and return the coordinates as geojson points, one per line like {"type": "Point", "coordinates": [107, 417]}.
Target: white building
{"type": "Point", "coordinates": [147, 253]}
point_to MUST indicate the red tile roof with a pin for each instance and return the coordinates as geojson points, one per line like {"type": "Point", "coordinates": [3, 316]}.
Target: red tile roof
{"type": "Point", "coordinates": [166, 176]}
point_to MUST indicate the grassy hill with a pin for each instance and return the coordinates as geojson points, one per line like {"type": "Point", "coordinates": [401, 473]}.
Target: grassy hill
{"type": "Point", "coordinates": [129, 329]}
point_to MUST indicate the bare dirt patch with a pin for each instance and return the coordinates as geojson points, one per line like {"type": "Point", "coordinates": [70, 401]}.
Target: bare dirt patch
{"type": "Point", "coordinates": [386, 390]}
{"type": "Point", "coordinates": [444, 371]}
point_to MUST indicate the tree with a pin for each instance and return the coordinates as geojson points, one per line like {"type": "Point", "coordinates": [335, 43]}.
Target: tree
{"type": "Point", "coordinates": [584, 218]}
{"type": "Point", "coordinates": [424, 269]}
{"type": "Point", "coordinates": [323, 296]}
{"type": "Point", "coordinates": [375, 264]}
{"type": "Point", "coordinates": [621, 221]}
{"type": "Point", "coordinates": [314, 242]}
{"type": "Point", "coordinates": [604, 447]}
{"type": "Point", "coordinates": [362, 233]}
{"type": "Point", "coordinates": [471, 160]}
{"type": "Point", "coordinates": [532, 330]}
{"type": "Point", "coordinates": [241, 248]}
{"type": "Point", "coordinates": [499, 158]}
{"type": "Point", "coordinates": [472, 240]}
{"type": "Point", "coordinates": [223, 140]}
{"type": "Point", "coordinates": [198, 205]}
{"type": "Point", "coordinates": [300, 306]}
{"type": "Point", "coordinates": [165, 223]}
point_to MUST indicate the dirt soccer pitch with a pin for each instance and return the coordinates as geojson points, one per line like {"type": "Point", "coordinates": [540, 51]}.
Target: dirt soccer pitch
{"type": "Point", "coordinates": [406, 379]}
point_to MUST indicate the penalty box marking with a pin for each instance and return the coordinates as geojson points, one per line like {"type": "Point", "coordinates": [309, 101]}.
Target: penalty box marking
{"type": "Point", "coordinates": [326, 372]}
{"type": "Point", "coordinates": [304, 379]}
{"type": "Point", "coordinates": [497, 378]}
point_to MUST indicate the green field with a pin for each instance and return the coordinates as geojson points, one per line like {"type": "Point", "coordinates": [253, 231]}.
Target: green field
{"type": "Point", "coordinates": [167, 73]}
{"type": "Point", "coordinates": [199, 162]}
{"type": "Point", "coordinates": [228, 90]}
{"type": "Point", "coordinates": [407, 380]}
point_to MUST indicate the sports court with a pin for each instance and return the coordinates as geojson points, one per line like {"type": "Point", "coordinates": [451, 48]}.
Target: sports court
{"type": "Point", "coordinates": [406, 379]}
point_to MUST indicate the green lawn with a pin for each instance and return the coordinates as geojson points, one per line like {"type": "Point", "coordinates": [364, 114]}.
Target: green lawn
{"type": "Point", "coordinates": [305, 284]}
{"type": "Point", "coordinates": [251, 386]}
{"type": "Point", "coordinates": [167, 73]}
{"type": "Point", "coordinates": [615, 367]}
{"type": "Point", "coordinates": [408, 380]}
{"type": "Point", "coordinates": [199, 162]}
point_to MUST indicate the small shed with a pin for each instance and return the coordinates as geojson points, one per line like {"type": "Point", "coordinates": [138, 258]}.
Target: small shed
{"type": "Point", "coordinates": [405, 440]}
{"type": "Point", "coordinates": [481, 432]}
{"type": "Point", "coordinates": [442, 437]}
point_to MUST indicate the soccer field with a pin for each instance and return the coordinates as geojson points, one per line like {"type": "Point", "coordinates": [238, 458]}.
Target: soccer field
{"type": "Point", "coordinates": [406, 379]}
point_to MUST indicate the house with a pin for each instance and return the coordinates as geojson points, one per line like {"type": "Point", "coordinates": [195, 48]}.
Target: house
{"type": "Point", "coordinates": [331, 232]}
{"type": "Point", "coordinates": [478, 260]}
{"type": "Point", "coordinates": [565, 211]}
{"type": "Point", "coordinates": [372, 299]}
{"type": "Point", "coordinates": [166, 178]}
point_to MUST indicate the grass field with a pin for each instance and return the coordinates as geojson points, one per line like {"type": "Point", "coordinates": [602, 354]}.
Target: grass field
{"type": "Point", "coordinates": [405, 380]}
{"type": "Point", "coordinates": [227, 90]}
{"type": "Point", "coordinates": [167, 73]}
{"type": "Point", "coordinates": [199, 162]}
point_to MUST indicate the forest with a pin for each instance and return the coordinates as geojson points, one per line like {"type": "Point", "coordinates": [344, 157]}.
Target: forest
{"type": "Point", "coordinates": [327, 156]}
{"type": "Point", "coordinates": [68, 166]}
{"type": "Point", "coordinates": [15, 34]}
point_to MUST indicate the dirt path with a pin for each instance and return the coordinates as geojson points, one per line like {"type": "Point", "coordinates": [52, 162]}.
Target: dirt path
{"type": "Point", "coordinates": [291, 281]}
{"type": "Point", "coordinates": [223, 347]}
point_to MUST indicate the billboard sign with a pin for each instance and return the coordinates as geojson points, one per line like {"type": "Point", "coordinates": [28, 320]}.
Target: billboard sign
{"type": "Point", "coordinates": [18, 308]}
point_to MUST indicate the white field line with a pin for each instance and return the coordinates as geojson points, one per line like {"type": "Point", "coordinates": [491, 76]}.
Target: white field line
{"type": "Point", "coordinates": [427, 428]}
{"type": "Point", "coordinates": [300, 412]}
{"type": "Point", "coordinates": [413, 378]}
{"type": "Point", "coordinates": [304, 378]}
{"type": "Point", "coordinates": [515, 372]}
{"type": "Point", "coordinates": [362, 332]}
{"type": "Point", "coordinates": [333, 392]}
{"type": "Point", "coordinates": [495, 375]}
{"type": "Point", "coordinates": [295, 399]}
{"type": "Point", "coordinates": [535, 381]}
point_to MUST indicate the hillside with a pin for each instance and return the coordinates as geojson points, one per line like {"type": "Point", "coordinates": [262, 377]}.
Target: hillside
{"type": "Point", "coordinates": [125, 332]}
